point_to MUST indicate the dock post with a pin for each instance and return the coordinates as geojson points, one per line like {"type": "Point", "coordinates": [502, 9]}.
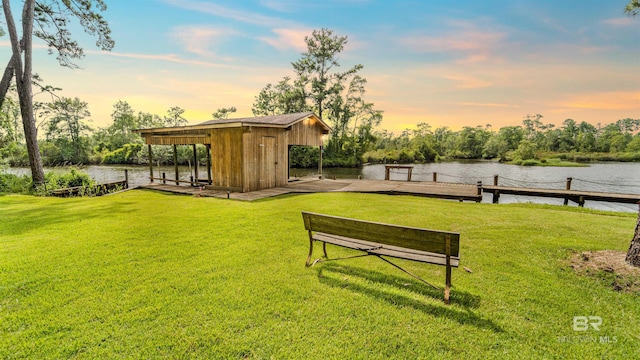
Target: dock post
{"type": "Point", "coordinates": [568, 187]}
{"type": "Point", "coordinates": [320, 164]}
{"type": "Point", "coordinates": [479, 191]}
{"type": "Point", "coordinates": [151, 164]}
{"type": "Point", "coordinates": [126, 178]}
{"type": "Point", "coordinates": [435, 177]}
{"type": "Point", "coordinates": [209, 180]}
{"type": "Point", "coordinates": [164, 178]}
{"type": "Point", "coordinates": [175, 163]}
{"type": "Point", "coordinates": [496, 196]}
{"type": "Point", "coordinates": [495, 180]}
{"type": "Point", "coordinates": [581, 201]}
{"type": "Point", "coordinates": [195, 162]}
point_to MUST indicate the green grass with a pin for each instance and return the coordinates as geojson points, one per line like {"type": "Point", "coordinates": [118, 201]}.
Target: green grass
{"type": "Point", "coordinates": [142, 274]}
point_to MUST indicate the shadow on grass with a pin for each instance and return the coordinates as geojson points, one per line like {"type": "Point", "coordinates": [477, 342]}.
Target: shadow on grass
{"type": "Point", "coordinates": [460, 298]}
{"type": "Point", "coordinates": [60, 212]}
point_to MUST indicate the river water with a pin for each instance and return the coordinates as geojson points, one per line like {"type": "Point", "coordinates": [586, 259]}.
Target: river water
{"type": "Point", "coordinates": [602, 177]}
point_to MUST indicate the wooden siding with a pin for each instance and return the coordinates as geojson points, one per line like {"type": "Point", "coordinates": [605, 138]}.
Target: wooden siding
{"type": "Point", "coordinates": [185, 137]}
{"type": "Point", "coordinates": [245, 158]}
{"type": "Point", "coordinates": [306, 132]}
{"type": "Point", "coordinates": [254, 156]}
{"type": "Point", "coordinates": [226, 158]}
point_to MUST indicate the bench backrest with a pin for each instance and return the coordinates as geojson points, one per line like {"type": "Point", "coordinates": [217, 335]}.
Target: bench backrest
{"type": "Point", "coordinates": [407, 237]}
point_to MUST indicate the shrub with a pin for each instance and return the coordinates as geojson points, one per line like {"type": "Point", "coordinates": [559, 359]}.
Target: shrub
{"type": "Point", "coordinates": [10, 183]}
{"type": "Point", "coordinates": [530, 162]}
{"type": "Point", "coordinates": [127, 154]}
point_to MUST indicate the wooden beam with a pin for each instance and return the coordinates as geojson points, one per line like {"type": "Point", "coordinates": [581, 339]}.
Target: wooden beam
{"type": "Point", "coordinates": [320, 163]}
{"type": "Point", "coordinates": [150, 164]}
{"type": "Point", "coordinates": [447, 288]}
{"type": "Point", "coordinates": [175, 163]}
{"type": "Point", "coordinates": [195, 162]}
{"type": "Point", "coordinates": [209, 163]}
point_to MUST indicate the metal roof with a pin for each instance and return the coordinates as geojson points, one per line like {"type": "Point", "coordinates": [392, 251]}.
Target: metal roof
{"type": "Point", "coordinates": [281, 121]}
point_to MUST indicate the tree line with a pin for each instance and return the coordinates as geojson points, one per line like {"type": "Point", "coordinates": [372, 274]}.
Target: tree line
{"type": "Point", "coordinates": [619, 141]}
{"type": "Point", "coordinates": [68, 138]}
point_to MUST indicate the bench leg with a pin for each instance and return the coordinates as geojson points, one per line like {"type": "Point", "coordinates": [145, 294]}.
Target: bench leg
{"type": "Point", "coordinates": [324, 249]}
{"type": "Point", "coordinates": [447, 286]}
{"type": "Point", "coordinates": [310, 249]}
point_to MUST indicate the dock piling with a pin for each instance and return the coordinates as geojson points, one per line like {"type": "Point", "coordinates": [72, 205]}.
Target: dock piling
{"type": "Point", "coordinates": [568, 187]}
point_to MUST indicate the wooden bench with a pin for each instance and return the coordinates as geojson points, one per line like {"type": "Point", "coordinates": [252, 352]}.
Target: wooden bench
{"type": "Point", "coordinates": [378, 239]}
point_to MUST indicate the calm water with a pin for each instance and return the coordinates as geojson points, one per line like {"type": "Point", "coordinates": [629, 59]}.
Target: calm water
{"type": "Point", "coordinates": [603, 177]}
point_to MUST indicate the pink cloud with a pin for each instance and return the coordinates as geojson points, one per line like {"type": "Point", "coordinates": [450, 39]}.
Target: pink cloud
{"type": "Point", "coordinates": [288, 39]}
{"type": "Point", "coordinates": [218, 10]}
{"type": "Point", "coordinates": [163, 57]}
{"type": "Point", "coordinates": [466, 41]}
{"type": "Point", "coordinates": [619, 22]}
{"type": "Point", "coordinates": [199, 39]}
{"type": "Point", "coordinates": [618, 100]}
{"type": "Point", "coordinates": [483, 104]}
{"type": "Point", "coordinates": [467, 82]}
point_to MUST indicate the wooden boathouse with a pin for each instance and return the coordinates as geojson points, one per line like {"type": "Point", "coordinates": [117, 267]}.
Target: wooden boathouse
{"type": "Point", "coordinates": [244, 154]}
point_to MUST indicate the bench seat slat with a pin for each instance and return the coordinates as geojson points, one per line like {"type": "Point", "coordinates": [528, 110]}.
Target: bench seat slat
{"type": "Point", "coordinates": [386, 250]}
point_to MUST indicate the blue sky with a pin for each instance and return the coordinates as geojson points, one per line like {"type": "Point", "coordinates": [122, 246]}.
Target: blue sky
{"type": "Point", "coordinates": [447, 63]}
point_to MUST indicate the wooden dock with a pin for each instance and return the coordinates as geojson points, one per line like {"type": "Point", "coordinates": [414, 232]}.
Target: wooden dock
{"type": "Point", "coordinates": [576, 196]}
{"type": "Point", "coordinates": [460, 192]}
{"type": "Point", "coordinates": [452, 191]}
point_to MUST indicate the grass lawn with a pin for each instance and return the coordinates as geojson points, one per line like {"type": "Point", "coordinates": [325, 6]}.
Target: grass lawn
{"type": "Point", "coordinates": [143, 274]}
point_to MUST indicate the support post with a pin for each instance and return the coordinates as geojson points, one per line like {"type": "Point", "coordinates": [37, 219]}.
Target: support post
{"type": "Point", "coordinates": [150, 163]}
{"type": "Point", "coordinates": [568, 187]}
{"type": "Point", "coordinates": [175, 162]}
{"type": "Point", "coordinates": [495, 180]}
{"type": "Point", "coordinates": [320, 164]}
{"type": "Point", "coordinates": [496, 196]}
{"type": "Point", "coordinates": [126, 178]}
{"type": "Point", "coordinates": [164, 178]}
{"type": "Point", "coordinates": [195, 163]}
{"type": "Point", "coordinates": [447, 288]}
{"type": "Point", "coordinates": [209, 164]}
{"type": "Point", "coordinates": [289, 162]}
{"type": "Point", "coordinates": [435, 176]}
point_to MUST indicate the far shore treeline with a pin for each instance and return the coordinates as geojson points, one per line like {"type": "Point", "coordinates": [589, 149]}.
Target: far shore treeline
{"type": "Point", "coordinates": [68, 139]}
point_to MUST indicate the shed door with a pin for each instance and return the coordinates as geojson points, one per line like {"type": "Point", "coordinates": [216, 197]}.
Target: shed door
{"type": "Point", "coordinates": [268, 162]}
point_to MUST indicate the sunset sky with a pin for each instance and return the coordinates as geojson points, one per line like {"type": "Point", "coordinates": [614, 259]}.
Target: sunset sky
{"type": "Point", "coordinates": [447, 63]}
